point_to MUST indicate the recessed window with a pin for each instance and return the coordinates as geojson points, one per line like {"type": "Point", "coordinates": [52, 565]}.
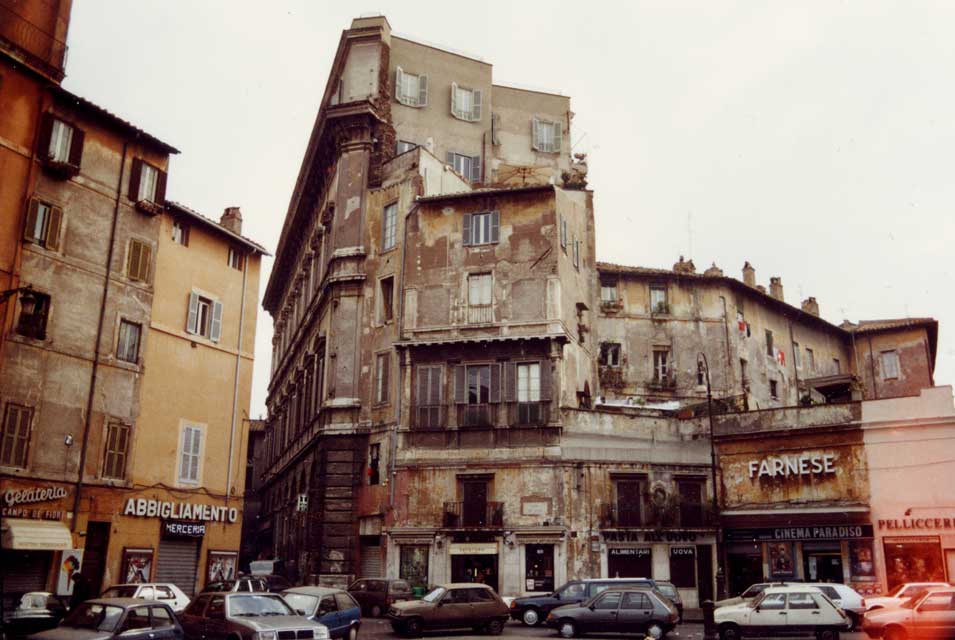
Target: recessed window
{"type": "Point", "coordinates": [236, 258]}
{"type": "Point", "coordinates": [374, 461]}
{"type": "Point", "coordinates": [481, 228]}
{"type": "Point", "coordinates": [610, 354]}
{"type": "Point", "coordinates": [608, 290]}
{"type": "Point", "coordinates": [774, 390]}
{"type": "Point", "coordinates": [658, 299]}
{"type": "Point", "coordinates": [190, 454]}
{"type": "Point", "coordinates": [468, 166]}
{"type": "Point", "coordinates": [382, 375]}
{"type": "Point", "coordinates": [465, 103]}
{"type": "Point", "coordinates": [43, 225]}
{"type": "Point", "coordinates": [661, 366]}
{"type": "Point", "coordinates": [180, 233]}
{"type": "Point", "coordinates": [386, 300]}
{"type": "Point", "coordinates": [810, 360]}
{"type": "Point", "coordinates": [34, 313]}
{"type": "Point", "coordinates": [138, 260]}
{"type": "Point", "coordinates": [127, 347]}
{"type": "Point", "coordinates": [61, 140]}
{"type": "Point", "coordinates": [16, 435]}
{"type": "Point", "coordinates": [117, 447]}
{"type": "Point", "coordinates": [205, 317]}
{"type": "Point", "coordinates": [546, 135]}
{"type": "Point", "coordinates": [890, 365]}
{"type": "Point", "coordinates": [836, 366]}
{"type": "Point", "coordinates": [389, 224]}
{"type": "Point", "coordinates": [769, 344]}
{"type": "Point", "coordinates": [410, 89]}
{"type": "Point", "coordinates": [480, 307]}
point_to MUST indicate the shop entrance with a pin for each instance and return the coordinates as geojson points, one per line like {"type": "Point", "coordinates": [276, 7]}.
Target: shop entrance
{"type": "Point", "coordinates": [822, 562]}
{"type": "Point", "coordinates": [94, 554]}
{"type": "Point", "coordinates": [475, 568]}
{"type": "Point", "coordinates": [634, 562]}
{"type": "Point", "coordinates": [744, 566]}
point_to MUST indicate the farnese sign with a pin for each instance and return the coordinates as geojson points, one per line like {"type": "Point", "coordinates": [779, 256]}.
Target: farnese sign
{"type": "Point", "coordinates": [144, 508]}
{"type": "Point", "coordinates": [791, 465]}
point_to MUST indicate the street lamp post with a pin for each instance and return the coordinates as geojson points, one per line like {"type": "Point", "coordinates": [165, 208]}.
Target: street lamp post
{"type": "Point", "coordinates": [703, 364]}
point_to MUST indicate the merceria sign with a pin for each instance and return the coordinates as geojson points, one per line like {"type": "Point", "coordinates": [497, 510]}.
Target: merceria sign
{"type": "Point", "coordinates": [179, 510]}
{"type": "Point", "coordinates": [804, 465]}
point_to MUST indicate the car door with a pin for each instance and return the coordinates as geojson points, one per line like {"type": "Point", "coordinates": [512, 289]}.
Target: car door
{"type": "Point", "coordinates": [602, 614]}
{"type": "Point", "coordinates": [327, 614]}
{"type": "Point", "coordinates": [804, 614]}
{"type": "Point", "coordinates": [348, 609]}
{"type": "Point", "coordinates": [484, 606]}
{"type": "Point", "coordinates": [136, 624]}
{"type": "Point", "coordinates": [163, 624]}
{"type": "Point", "coordinates": [636, 610]}
{"type": "Point", "coordinates": [933, 617]}
{"type": "Point", "coordinates": [216, 626]}
{"type": "Point", "coordinates": [359, 591]}
{"type": "Point", "coordinates": [769, 617]}
{"type": "Point", "coordinates": [453, 610]}
{"type": "Point", "coordinates": [192, 620]}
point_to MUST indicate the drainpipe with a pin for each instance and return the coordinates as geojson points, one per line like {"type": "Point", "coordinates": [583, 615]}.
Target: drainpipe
{"type": "Point", "coordinates": [99, 338]}
{"type": "Point", "coordinates": [235, 386]}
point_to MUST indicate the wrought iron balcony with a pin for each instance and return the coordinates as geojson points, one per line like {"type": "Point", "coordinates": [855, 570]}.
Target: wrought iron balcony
{"type": "Point", "coordinates": [459, 515]}
{"type": "Point", "coordinates": [528, 414]}
{"type": "Point", "coordinates": [476, 415]}
{"type": "Point", "coordinates": [430, 417]}
{"type": "Point", "coordinates": [42, 49]}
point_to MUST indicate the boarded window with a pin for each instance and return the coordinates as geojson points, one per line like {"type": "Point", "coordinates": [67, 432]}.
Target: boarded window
{"type": "Point", "coordinates": [138, 260]}
{"type": "Point", "coordinates": [117, 447]}
{"type": "Point", "coordinates": [890, 365]}
{"type": "Point", "coordinates": [16, 435]}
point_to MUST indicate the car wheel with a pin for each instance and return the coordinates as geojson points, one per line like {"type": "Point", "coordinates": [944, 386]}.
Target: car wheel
{"type": "Point", "coordinates": [375, 611]}
{"type": "Point", "coordinates": [567, 628]}
{"type": "Point", "coordinates": [894, 633]}
{"type": "Point", "coordinates": [495, 627]}
{"type": "Point", "coordinates": [531, 617]}
{"type": "Point", "coordinates": [730, 632]}
{"type": "Point", "coordinates": [853, 620]}
{"type": "Point", "coordinates": [353, 634]}
{"type": "Point", "coordinates": [827, 634]}
{"type": "Point", "coordinates": [654, 630]}
{"type": "Point", "coordinates": [414, 627]}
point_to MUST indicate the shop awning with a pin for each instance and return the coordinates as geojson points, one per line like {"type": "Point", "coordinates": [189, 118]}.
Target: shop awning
{"type": "Point", "coordinates": [42, 535]}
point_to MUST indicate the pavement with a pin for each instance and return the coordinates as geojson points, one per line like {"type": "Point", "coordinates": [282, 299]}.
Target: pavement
{"type": "Point", "coordinates": [380, 628]}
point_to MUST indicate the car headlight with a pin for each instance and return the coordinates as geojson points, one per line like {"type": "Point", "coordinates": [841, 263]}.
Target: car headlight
{"type": "Point", "coordinates": [321, 632]}
{"type": "Point", "coordinates": [266, 635]}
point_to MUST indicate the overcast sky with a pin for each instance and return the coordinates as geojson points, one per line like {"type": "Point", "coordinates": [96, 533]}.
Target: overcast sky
{"type": "Point", "coordinates": [815, 141]}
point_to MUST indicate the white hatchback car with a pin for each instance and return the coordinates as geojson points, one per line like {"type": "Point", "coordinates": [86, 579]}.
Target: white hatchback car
{"type": "Point", "coordinates": [783, 611]}
{"type": "Point", "coordinates": [162, 591]}
{"type": "Point", "coordinates": [902, 593]}
{"type": "Point", "coordinates": [844, 597]}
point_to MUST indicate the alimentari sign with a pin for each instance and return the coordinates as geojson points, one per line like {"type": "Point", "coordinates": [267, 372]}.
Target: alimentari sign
{"type": "Point", "coordinates": [144, 508]}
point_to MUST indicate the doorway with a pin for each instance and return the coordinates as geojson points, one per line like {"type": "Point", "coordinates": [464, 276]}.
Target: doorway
{"type": "Point", "coordinates": [474, 493]}
{"type": "Point", "coordinates": [822, 562]}
{"type": "Point", "coordinates": [744, 566]}
{"type": "Point", "coordinates": [475, 568]}
{"type": "Point", "coordinates": [704, 571]}
{"type": "Point", "coordinates": [94, 554]}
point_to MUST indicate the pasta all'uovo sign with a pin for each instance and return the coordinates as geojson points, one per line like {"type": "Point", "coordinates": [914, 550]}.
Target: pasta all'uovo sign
{"type": "Point", "coordinates": [172, 510]}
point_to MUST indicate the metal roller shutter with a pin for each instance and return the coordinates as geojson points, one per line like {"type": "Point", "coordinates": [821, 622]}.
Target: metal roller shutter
{"type": "Point", "coordinates": [371, 561]}
{"type": "Point", "coordinates": [23, 571]}
{"type": "Point", "coordinates": [178, 563]}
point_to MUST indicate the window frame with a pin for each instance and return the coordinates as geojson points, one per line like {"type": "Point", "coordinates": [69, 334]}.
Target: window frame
{"type": "Point", "coordinates": [389, 227]}
{"type": "Point", "coordinates": [773, 389]}
{"type": "Point", "coordinates": [662, 366]}
{"type": "Point", "coordinates": [475, 99]}
{"type": "Point", "coordinates": [473, 165]}
{"type": "Point", "coordinates": [211, 330]}
{"type": "Point", "coordinates": [34, 325]}
{"type": "Point", "coordinates": [896, 364]}
{"type": "Point", "coordinates": [121, 352]}
{"type": "Point", "coordinates": [474, 227]}
{"type": "Point", "coordinates": [609, 354]}
{"type": "Point", "coordinates": [659, 306]}
{"type": "Point", "coordinates": [146, 191]}
{"type": "Point", "coordinates": [61, 143]}
{"type": "Point", "coordinates": [20, 434]}
{"type": "Point", "coordinates": [382, 388]}
{"type": "Point", "coordinates": [181, 453]}
{"type": "Point", "coordinates": [527, 368]}
{"type": "Point", "coordinates": [180, 233]}
{"type": "Point", "coordinates": [770, 349]}
{"type": "Point", "coordinates": [554, 142]}
{"type": "Point", "coordinates": [50, 224]}
{"type": "Point", "coordinates": [810, 360]}
{"type": "Point", "coordinates": [386, 301]}
{"type": "Point", "coordinates": [404, 146]}
{"type": "Point", "coordinates": [797, 356]}
{"type": "Point", "coordinates": [143, 267]}
{"type": "Point", "coordinates": [236, 259]}
{"type": "Point", "coordinates": [418, 98]}
{"type": "Point", "coordinates": [120, 457]}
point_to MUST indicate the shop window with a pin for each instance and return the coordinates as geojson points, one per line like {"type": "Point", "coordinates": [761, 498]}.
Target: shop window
{"type": "Point", "coordinates": [413, 566]}
{"type": "Point", "coordinates": [912, 560]}
{"type": "Point", "coordinates": [16, 435]}
{"type": "Point", "coordinates": [683, 567]}
{"type": "Point", "coordinates": [539, 567]}
{"type": "Point", "coordinates": [374, 460]}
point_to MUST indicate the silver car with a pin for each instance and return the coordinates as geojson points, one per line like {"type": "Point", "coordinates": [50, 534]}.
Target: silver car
{"type": "Point", "coordinates": [249, 616]}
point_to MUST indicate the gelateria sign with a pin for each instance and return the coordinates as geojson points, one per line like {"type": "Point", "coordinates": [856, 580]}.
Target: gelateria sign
{"type": "Point", "coordinates": [13, 497]}
{"type": "Point", "coordinates": [785, 466]}
{"type": "Point", "coordinates": [143, 508]}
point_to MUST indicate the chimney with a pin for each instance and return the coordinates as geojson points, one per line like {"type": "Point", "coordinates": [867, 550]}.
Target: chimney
{"type": "Point", "coordinates": [684, 266]}
{"type": "Point", "coordinates": [713, 271]}
{"type": "Point", "coordinates": [809, 305]}
{"type": "Point", "coordinates": [776, 288]}
{"type": "Point", "coordinates": [232, 220]}
{"type": "Point", "coordinates": [749, 274]}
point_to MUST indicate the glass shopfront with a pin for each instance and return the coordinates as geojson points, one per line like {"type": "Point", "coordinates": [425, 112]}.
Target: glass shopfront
{"type": "Point", "coordinates": [413, 565]}
{"type": "Point", "coordinates": [539, 567]}
{"type": "Point", "coordinates": [913, 559]}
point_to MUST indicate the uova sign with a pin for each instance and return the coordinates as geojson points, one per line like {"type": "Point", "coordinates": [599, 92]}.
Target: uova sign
{"type": "Point", "coordinates": [179, 510]}
{"type": "Point", "coordinates": [788, 465]}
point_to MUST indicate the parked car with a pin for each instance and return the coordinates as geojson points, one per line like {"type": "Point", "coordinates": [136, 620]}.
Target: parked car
{"type": "Point", "coordinates": [247, 616]}
{"type": "Point", "coordinates": [931, 615]}
{"type": "Point", "coordinates": [844, 597]}
{"type": "Point", "coordinates": [246, 584]}
{"type": "Point", "coordinates": [751, 593]}
{"type": "Point", "coordinates": [375, 595]}
{"type": "Point", "coordinates": [267, 567]}
{"type": "Point", "coordinates": [451, 606]}
{"type": "Point", "coordinates": [334, 608]}
{"type": "Point", "coordinates": [126, 618]}
{"type": "Point", "coordinates": [641, 611]}
{"type": "Point", "coordinates": [901, 593]}
{"type": "Point", "coordinates": [670, 591]}
{"type": "Point", "coordinates": [532, 610]}
{"type": "Point", "coordinates": [275, 583]}
{"type": "Point", "coordinates": [783, 611]}
{"type": "Point", "coordinates": [35, 611]}
{"type": "Point", "coordinates": [162, 591]}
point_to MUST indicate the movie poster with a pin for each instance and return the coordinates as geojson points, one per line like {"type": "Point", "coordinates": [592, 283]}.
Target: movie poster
{"type": "Point", "coordinates": [861, 563]}
{"type": "Point", "coordinates": [781, 564]}
{"type": "Point", "coordinates": [70, 564]}
{"type": "Point", "coordinates": [221, 565]}
{"type": "Point", "coordinates": [137, 565]}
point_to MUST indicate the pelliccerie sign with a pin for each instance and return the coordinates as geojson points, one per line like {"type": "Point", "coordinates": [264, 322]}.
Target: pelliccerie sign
{"type": "Point", "coordinates": [143, 508]}
{"type": "Point", "coordinates": [792, 465]}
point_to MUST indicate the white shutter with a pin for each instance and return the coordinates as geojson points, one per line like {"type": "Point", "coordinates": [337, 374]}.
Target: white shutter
{"type": "Point", "coordinates": [476, 105]}
{"type": "Point", "coordinates": [184, 456]}
{"type": "Point", "coordinates": [558, 132]}
{"type": "Point", "coordinates": [535, 134]}
{"type": "Point", "coordinates": [399, 84]}
{"type": "Point", "coordinates": [495, 226]}
{"type": "Point", "coordinates": [193, 313]}
{"type": "Point", "coordinates": [422, 90]}
{"type": "Point", "coordinates": [454, 98]}
{"type": "Point", "coordinates": [196, 445]}
{"type": "Point", "coordinates": [216, 330]}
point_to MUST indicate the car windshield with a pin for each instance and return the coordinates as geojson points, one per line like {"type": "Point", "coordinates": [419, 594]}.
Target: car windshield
{"type": "Point", "coordinates": [301, 601]}
{"type": "Point", "coordinates": [124, 591]}
{"type": "Point", "coordinates": [435, 595]}
{"type": "Point", "coordinates": [253, 606]}
{"type": "Point", "coordinates": [911, 602]}
{"type": "Point", "coordinates": [90, 615]}
{"type": "Point", "coordinates": [667, 589]}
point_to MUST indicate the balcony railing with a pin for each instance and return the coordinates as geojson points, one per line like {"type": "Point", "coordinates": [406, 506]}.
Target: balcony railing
{"type": "Point", "coordinates": [480, 313]}
{"type": "Point", "coordinates": [612, 516]}
{"type": "Point", "coordinates": [527, 414]}
{"type": "Point", "coordinates": [430, 417]}
{"type": "Point", "coordinates": [480, 516]}
{"type": "Point", "coordinates": [41, 48]}
{"type": "Point", "coordinates": [476, 415]}
{"type": "Point", "coordinates": [685, 514]}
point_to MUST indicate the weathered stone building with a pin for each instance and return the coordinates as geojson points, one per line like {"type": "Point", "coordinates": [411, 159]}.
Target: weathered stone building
{"type": "Point", "coordinates": [460, 391]}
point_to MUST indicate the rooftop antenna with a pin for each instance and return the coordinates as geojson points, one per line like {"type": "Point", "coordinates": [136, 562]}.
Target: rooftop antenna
{"type": "Point", "coordinates": [579, 140]}
{"type": "Point", "coordinates": [689, 234]}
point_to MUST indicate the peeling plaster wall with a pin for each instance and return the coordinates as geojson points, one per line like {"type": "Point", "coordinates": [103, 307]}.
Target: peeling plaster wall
{"type": "Point", "coordinates": [515, 109]}
{"type": "Point", "coordinates": [915, 362]}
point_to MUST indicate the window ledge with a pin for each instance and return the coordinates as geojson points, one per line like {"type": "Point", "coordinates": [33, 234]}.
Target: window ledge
{"type": "Point", "coordinates": [149, 207]}
{"type": "Point", "coordinates": [62, 170]}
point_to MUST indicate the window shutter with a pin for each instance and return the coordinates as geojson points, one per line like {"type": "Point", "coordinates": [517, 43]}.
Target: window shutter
{"type": "Point", "coordinates": [495, 383]}
{"type": "Point", "coordinates": [421, 389]}
{"type": "Point", "coordinates": [46, 132]}
{"type": "Point", "coordinates": [31, 220]}
{"type": "Point", "coordinates": [193, 318]}
{"type": "Point", "coordinates": [76, 147]}
{"type": "Point", "coordinates": [186, 450]}
{"type": "Point", "coordinates": [510, 382]}
{"type": "Point", "coordinates": [558, 133]}
{"type": "Point", "coordinates": [160, 197]}
{"type": "Point", "coordinates": [132, 260]}
{"type": "Point", "coordinates": [385, 377]}
{"type": "Point", "coordinates": [460, 384]}
{"type": "Point", "coordinates": [53, 229]}
{"type": "Point", "coordinates": [398, 84]}
{"type": "Point", "coordinates": [145, 259]}
{"type": "Point", "coordinates": [134, 176]}
{"type": "Point", "coordinates": [476, 106]}
{"type": "Point", "coordinates": [196, 446]}
{"type": "Point", "coordinates": [535, 134]}
{"type": "Point", "coordinates": [216, 330]}
{"type": "Point", "coordinates": [495, 126]}
{"type": "Point", "coordinates": [495, 225]}
{"type": "Point", "coordinates": [563, 232]}
{"type": "Point", "coordinates": [545, 380]}
{"type": "Point", "coordinates": [475, 168]}
{"type": "Point", "coordinates": [436, 396]}
{"type": "Point", "coordinates": [454, 98]}
{"type": "Point", "coordinates": [466, 230]}
{"type": "Point", "coordinates": [422, 91]}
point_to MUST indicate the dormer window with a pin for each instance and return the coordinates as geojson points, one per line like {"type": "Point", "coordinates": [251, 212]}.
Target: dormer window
{"type": "Point", "coordinates": [411, 90]}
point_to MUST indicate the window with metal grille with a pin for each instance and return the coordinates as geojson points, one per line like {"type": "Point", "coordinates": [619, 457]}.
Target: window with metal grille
{"type": "Point", "coordinates": [117, 447]}
{"type": "Point", "coordinates": [127, 347]}
{"type": "Point", "coordinates": [16, 435]}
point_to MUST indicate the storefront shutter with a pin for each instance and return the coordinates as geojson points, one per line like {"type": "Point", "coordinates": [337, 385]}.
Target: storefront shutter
{"type": "Point", "coordinates": [371, 565]}
{"type": "Point", "coordinates": [178, 563]}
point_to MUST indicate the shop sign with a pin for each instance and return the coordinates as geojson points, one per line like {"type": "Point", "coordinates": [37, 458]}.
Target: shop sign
{"type": "Point", "coordinates": [917, 523]}
{"type": "Point", "coordinates": [143, 508]}
{"type": "Point", "coordinates": [473, 548]}
{"type": "Point", "coordinates": [817, 532]}
{"type": "Point", "coordinates": [786, 466]}
{"type": "Point", "coordinates": [649, 536]}
{"type": "Point", "coordinates": [637, 552]}
{"type": "Point", "coordinates": [31, 514]}
{"type": "Point", "coordinates": [13, 497]}
{"type": "Point", "coordinates": [181, 529]}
